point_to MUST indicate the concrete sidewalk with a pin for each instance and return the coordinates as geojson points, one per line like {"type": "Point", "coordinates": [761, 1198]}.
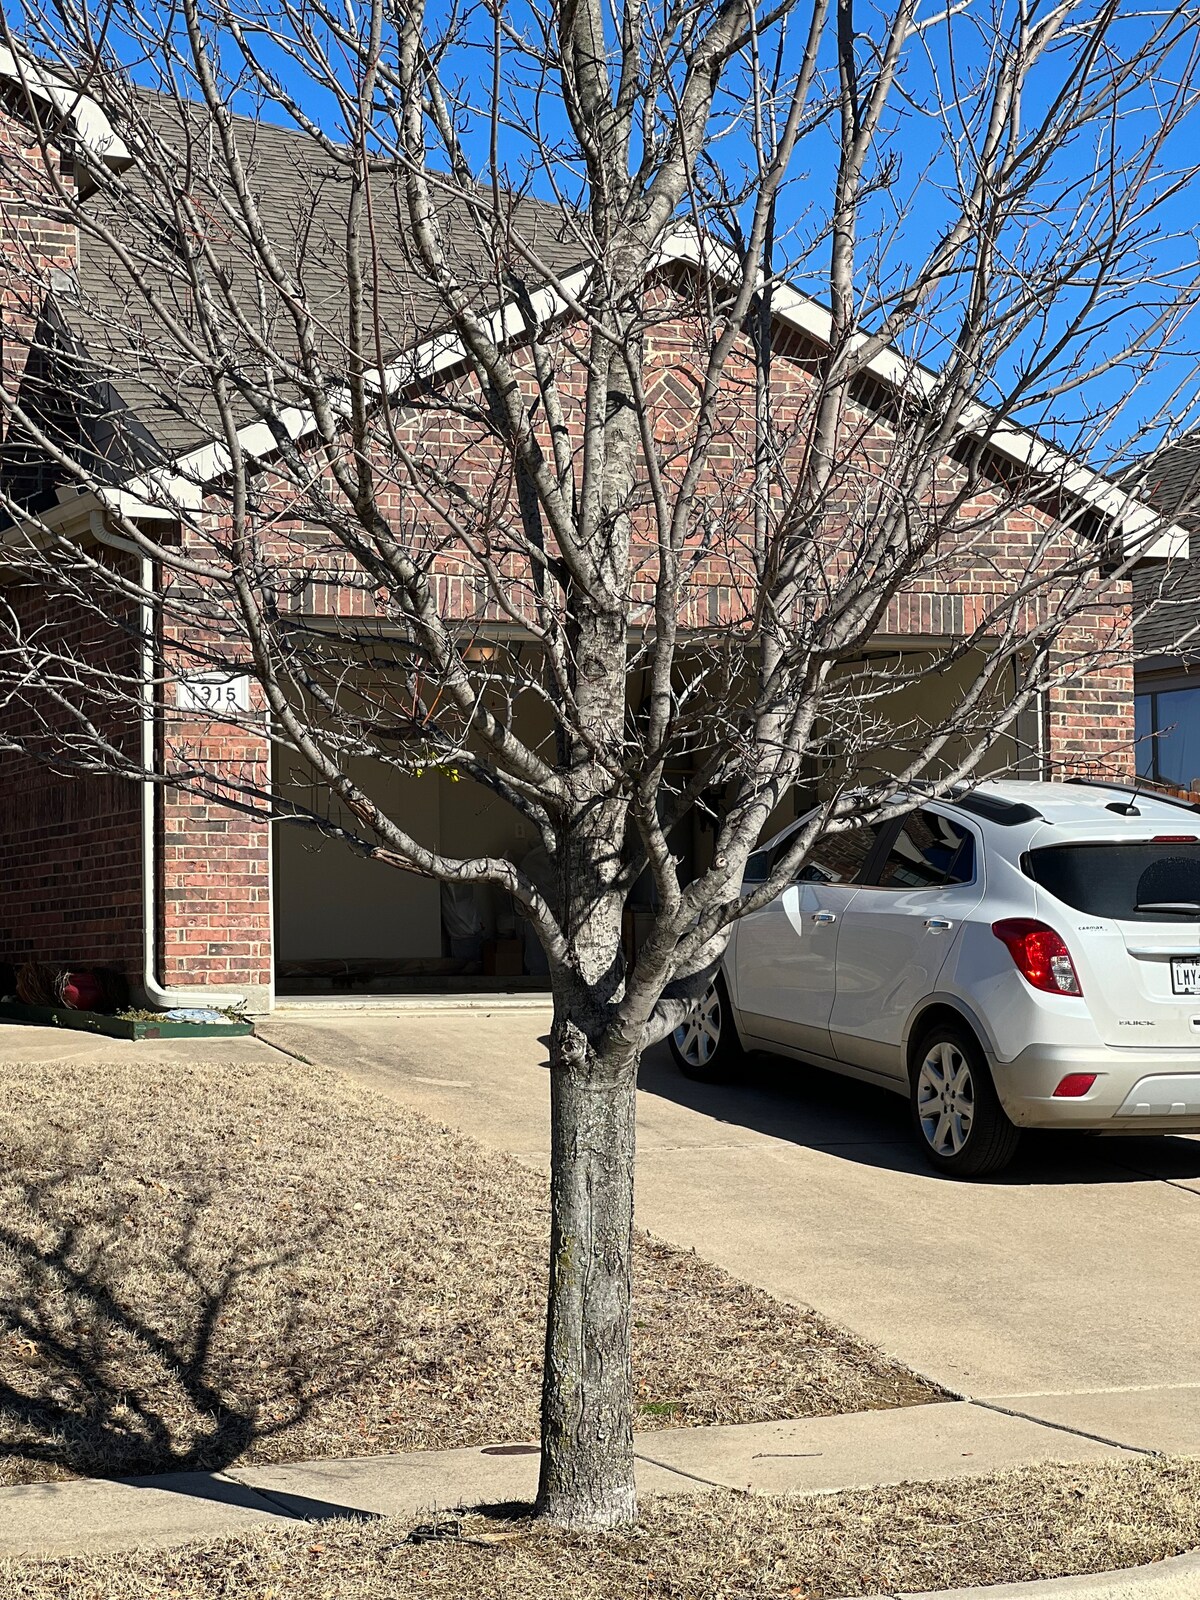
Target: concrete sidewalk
{"type": "Point", "coordinates": [811, 1456]}
{"type": "Point", "coordinates": [1177, 1578]}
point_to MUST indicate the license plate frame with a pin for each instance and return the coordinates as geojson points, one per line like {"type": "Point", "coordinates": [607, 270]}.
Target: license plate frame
{"type": "Point", "coordinates": [1185, 975]}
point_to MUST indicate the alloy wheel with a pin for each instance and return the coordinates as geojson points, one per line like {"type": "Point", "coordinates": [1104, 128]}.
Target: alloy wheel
{"type": "Point", "coordinates": [698, 1037]}
{"type": "Point", "coordinates": [945, 1098]}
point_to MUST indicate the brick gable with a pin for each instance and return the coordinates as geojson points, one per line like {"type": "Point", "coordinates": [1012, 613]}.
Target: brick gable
{"type": "Point", "coordinates": [217, 863]}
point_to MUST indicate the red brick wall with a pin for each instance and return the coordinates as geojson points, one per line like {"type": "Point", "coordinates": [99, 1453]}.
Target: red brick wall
{"type": "Point", "coordinates": [215, 927]}
{"type": "Point", "coordinates": [34, 244]}
{"type": "Point", "coordinates": [70, 846]}
{"type": "Point", "coordinates": [1090, 729]}
{"type": "Point", "coordinates": [70, 860]}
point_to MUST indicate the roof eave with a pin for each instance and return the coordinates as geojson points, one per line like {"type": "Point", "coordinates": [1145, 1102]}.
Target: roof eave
{"type": "Point", "coordinates": [95, 139]}
{"type": "Point", "coordinates": [1144, 532]}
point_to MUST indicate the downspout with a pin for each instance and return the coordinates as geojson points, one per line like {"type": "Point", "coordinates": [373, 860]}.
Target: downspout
{"type": "Point", "coordinates": [155, 994]}
{"type": "Point", "coordinates": [1043, 733]}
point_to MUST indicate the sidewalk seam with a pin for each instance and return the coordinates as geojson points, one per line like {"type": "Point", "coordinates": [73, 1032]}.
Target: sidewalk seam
{"type": "Point", "coordinates": [264, 1495]}
{"type": "Point", "coordinates": [682, 1472]}
{"type": "Point", "coordinates": [1064, 1427]}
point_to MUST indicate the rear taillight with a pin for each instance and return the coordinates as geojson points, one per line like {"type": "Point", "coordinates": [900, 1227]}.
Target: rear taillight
{"type": "Point", "coordinates": [1041, 957]}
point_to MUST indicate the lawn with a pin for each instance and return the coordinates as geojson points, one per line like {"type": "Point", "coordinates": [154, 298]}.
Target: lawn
{"type": "Point", "coordinates": [1037, 1523]}
{"type": "Point", "coordinates": [206, 1264]}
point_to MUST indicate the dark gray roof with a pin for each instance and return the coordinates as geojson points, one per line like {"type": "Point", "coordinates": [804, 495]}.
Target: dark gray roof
{"type": "Point", "coordinates": [147, 400]}
{"type": "Point", "coordinates": [1167, 594]}
{"type": "Point", "coordinates": [1167, 608]}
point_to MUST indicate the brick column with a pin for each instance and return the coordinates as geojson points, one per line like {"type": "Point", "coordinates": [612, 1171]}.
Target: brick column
{"type": "Point", "coordinates": [1089, 716]}
{"type": "Point", "coordinates": [215, 872]}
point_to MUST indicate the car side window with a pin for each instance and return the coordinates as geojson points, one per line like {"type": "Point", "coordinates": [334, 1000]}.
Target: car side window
{"type": "Point", "coordinates": [840, 857]}
{"type": "Point", "coordinates": [929, 852]}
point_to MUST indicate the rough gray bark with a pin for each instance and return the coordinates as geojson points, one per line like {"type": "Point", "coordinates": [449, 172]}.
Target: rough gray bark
{"type": "Point", "coordinates": [587, 1395]}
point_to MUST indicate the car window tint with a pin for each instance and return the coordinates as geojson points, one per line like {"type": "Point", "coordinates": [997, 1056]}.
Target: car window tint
{"type": "Point", "coordinates": [758, 867]}
{"type": "Point", "coordinates": [761, 862]}
{"type": "Point", "coordinates": [1148, 881]}
{"type": "Point", "coordinates": [839, 857]}
{"type": "Point", "coordinates": [929, 852]}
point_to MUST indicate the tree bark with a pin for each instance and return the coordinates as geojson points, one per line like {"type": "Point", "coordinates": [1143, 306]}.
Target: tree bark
{"type": "Point", "coordinates": [587, 1398]}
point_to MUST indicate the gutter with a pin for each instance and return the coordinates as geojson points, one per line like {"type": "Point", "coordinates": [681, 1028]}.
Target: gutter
{"type": "Point", "coordinates": [156, 996]}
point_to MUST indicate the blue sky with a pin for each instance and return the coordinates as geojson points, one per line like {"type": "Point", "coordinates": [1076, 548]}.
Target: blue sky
{"type": "Point", "coordinates": [917, 198]}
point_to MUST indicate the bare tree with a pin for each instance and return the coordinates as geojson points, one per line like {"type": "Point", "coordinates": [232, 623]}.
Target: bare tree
{"type": "Point", "coordinates": [516, 352]}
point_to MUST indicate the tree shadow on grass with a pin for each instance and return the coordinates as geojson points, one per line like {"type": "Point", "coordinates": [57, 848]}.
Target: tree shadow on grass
{"type": "Point", "coordinates": [117, 1357]}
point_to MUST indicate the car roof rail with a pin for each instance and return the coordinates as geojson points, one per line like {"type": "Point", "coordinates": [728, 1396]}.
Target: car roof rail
{"type": "Point", "coordinates": [1137, 793]}
{"type": "Point", "coordinates": [995, 808]}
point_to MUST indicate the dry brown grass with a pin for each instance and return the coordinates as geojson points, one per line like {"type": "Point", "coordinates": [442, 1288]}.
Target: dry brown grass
{"type": "Point", "coordinates": [1037, 1523]}
{"type": "Point", "coordinates": [205, 1264]}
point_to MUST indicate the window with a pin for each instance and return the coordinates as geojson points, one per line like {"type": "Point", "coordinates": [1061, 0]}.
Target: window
{"type": "Point", "coordinates": [837, 858]}
{"type": "Point", "coordinates": [840, 857]}
{"type": "Point", "coordinates": [929, 852]}
{"type": "Point", "coordinates": [1167, 723]}
{"type": "Point", "coordinates": [1130, 882]}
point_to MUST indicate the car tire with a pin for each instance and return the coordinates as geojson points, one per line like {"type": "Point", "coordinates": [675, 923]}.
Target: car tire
{"type": "Point", "coordinates": [706, 1047]}
{"type": "Point", "coordinates": [957, 1117]}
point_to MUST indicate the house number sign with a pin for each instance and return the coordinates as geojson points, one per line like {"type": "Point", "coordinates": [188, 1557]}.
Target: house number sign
{"type": "Point", "coordinates": [214, 692]}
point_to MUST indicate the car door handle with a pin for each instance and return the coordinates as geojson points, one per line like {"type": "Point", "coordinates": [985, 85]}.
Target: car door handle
{"type": "Point", "coordinates": [825, 917]}
{"type": "Point", "coordinates": [938, 924]}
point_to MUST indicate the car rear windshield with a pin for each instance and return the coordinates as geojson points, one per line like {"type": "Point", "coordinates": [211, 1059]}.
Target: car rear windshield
{"type": "Point", "coordinates": [1154, 881]}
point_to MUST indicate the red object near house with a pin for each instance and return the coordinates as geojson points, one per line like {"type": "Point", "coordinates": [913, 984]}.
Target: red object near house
{"type": "Point", "coordinates": [81, 991]}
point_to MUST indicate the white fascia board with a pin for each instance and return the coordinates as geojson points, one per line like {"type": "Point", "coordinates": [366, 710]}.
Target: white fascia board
{"type": "Point", "coordinates": [59, 519]}
{"type": "Point", "coordinates": [76, 508]}
{"type": "Point", "coordinates": [95, 134]}
{"type": "Point", "coordinates": [1142, 528]}
{"type": "Point", "coordinates": [103, 497]}
{"type": "Point", "coordinates": [68, 519]}
{"type": "Point", "coordinates": [1144, 531]}
{"type": "Point", "coordinates": [127, 504]}
{"type": "Point", "coordinates": [183, 483]}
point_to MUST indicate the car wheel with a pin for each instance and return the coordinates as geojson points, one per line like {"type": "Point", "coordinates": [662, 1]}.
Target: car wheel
{"type": "Point", "coordinates": [957, 1116]}
{"type": "Point", "coordinates": [706, 1046]}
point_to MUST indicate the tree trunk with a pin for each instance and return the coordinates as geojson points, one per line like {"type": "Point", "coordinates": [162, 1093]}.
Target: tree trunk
{"type": "Point", "coordinates": [587, 1390]}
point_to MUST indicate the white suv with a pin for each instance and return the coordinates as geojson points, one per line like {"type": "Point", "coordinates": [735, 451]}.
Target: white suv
{"type": "Point", "coordinates": [1025, 955]}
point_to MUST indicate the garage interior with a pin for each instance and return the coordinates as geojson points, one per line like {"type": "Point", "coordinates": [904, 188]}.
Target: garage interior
{"type": "Point", "coordinates": [349, 925]}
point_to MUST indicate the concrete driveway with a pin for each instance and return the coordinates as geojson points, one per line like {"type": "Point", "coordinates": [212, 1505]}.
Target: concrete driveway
{"type": "Point", "coordinates": [1065, 1290]}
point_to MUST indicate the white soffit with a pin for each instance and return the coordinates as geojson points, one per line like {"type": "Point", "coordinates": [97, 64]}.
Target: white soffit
{"type": "Point", "coordinates": [94, 132]}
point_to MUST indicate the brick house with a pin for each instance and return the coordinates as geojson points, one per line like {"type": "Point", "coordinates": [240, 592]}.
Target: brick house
{"type": "Point", "coordinates": [192, 897]}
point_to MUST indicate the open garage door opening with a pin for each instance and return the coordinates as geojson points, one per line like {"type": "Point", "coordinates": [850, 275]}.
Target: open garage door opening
{"type": "Point", "coordinates": [346, 924]}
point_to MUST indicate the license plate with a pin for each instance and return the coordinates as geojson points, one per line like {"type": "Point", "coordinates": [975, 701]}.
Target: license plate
{"type": "Point", "coordinates": [1185, 975]}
